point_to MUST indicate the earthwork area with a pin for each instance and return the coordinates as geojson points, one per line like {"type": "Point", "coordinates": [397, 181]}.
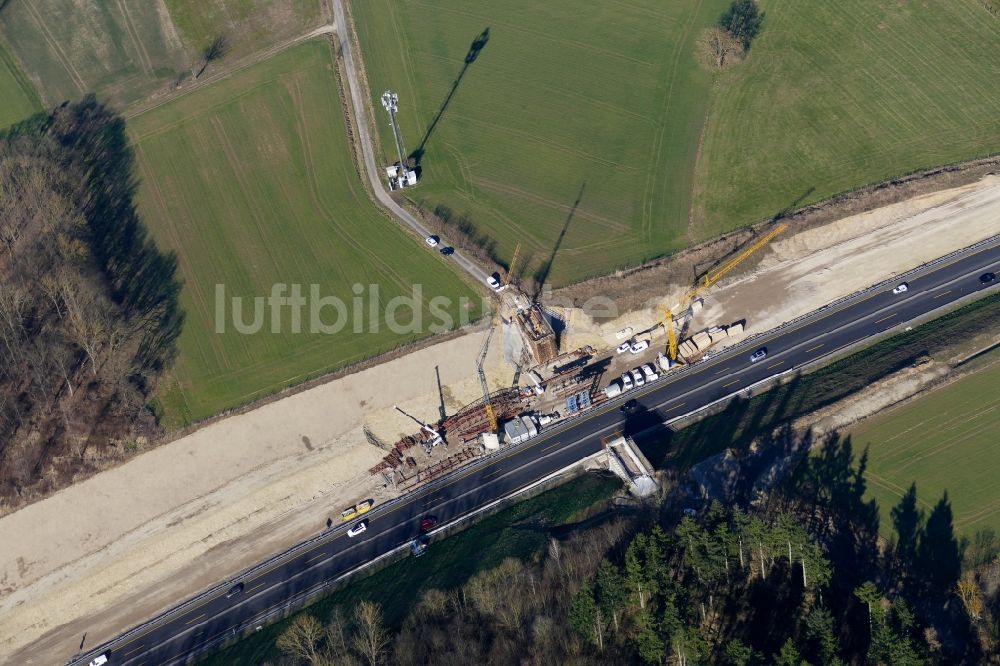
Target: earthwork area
{"type": "Point", "coordinates": [251, 182]}
{"type": "Point", "coordinates": [537, 123]}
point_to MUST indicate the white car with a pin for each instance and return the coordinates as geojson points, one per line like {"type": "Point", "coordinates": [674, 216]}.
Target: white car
{"type": "Point", "coordinates": [639, 346]}
{"type": "Point", "coordinates": [494, 282]}
{"type": "Point", "coordinates": [432, 241]}
{"type": "Point", "coordinates": [358, 528]}
{"type": "Point", "coordinates": [638, 378]}
{"type": "Point", "coordinates": [901, 288]}
{"type": "Point", "coordinates": [651, 375]}
{"type": "Point", "coordinates": [626, 381]}
{"type": "Point", "coordinates": [623, 347]}
{"type": "Point", "coordinates": [758, 355]}
{"type": "Point", "coordinates": [99, 661]}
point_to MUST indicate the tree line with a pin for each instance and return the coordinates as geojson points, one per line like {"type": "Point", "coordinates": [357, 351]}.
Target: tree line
{"type": "Point", "coordinates": [88, 305]}
{"type": "Point", "coordinates": [792, 576]}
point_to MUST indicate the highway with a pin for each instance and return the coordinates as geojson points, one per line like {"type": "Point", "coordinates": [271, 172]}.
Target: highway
{"type": "Point", "coordinates": [187, 630]}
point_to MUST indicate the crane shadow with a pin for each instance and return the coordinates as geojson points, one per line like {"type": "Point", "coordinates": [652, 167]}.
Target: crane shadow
{"type": "Point", "coordinates": [475, 48]}
{"type": "Point", "coordinates": [542, 274]}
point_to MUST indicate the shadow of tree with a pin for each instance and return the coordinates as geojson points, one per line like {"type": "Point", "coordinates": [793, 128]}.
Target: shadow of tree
{"type": "Point", "coordinates": [475, 48]}
{"type": "Point", "coordinates": [143, 279]}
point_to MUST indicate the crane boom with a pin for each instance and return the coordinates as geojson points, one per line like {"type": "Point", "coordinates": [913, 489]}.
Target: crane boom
{"type": "Point", "coordinates": [510, 267]}
{"type": "Point", "coordinates": [668, 323]}
{"type": "Point", "coordinates": [708, 281]}
{"type": "Point", "coordinates": [490, 414]}
{"type": "Point", "coordinates": [743, 256]}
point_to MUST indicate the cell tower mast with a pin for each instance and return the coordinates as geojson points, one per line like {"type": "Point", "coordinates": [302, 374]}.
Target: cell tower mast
{"type": "Point", "coordinates": [390, 101]}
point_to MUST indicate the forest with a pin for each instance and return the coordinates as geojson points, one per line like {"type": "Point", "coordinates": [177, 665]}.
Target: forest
{"type": "Point", "coordinates": [792, 576]}
{"type": "Point", "coordinates": [88, 305]}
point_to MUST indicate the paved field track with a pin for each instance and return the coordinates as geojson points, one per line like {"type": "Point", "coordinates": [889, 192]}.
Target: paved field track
{"type": "Point", "coordinates": [251, 181]}
{"type": "Point", "coordinates": [124, 50]}
{"type": "Point", "coordinates": [836, 95]}
{"type": "Point", "coordinates": [610, 98]}
{"type": "Point", "coordinates": [944, 441]}
{"type": "Point", "coordinates": [20, 99]}
{"type": "Point", "coordinates": [601, 102]}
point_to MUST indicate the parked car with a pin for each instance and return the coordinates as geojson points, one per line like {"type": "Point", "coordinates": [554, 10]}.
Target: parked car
{"type": "Point", "coordinates": [427, 523]}
{"type": "Point", "coordinates": [639, 346]}
{"type": "Point", "coordinates": [758, 355]}
{"type": "Point", "coordinates": [494, 282]}
{"type": "Point", "coordinates": [638, 378]}
{"type": "Point", "coordinates": [623, 347]}
{"type": "Point", "coordinates": [358, 528]}
{"type": "Point", "coordinates": [651, 375]}
{"type": "Point", "coordinates": [986, 278]}
{"type": "Point", "coordinates": [626, 381]}
{"type": "Point", "coordinates": [447, 250]}
{"type": "Point", "coordinates": [901, 288]}
{"type": "Point", "coordinates": [432, 241]}
{"type": "Point", "coordinates": [234, 590]}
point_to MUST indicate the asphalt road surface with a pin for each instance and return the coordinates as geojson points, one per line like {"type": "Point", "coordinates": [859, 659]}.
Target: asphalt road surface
{"type": "Point", "coordinates": [186, 631]}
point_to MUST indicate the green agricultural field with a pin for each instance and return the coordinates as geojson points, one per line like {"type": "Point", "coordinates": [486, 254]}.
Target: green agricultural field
{"type": "Point", "coordinates": [251, 182]}
{"type": "Point", "coordinates": [247, 25]}
{"type": "Point", "coordinates": [836, 95]}
{"type": "Point", "coordinates": [20, 99]}
{"type": "Point", "coordinates": [944, 441]}
{"type": "Point", "coordinates": [124, 50]}
{"type": "Point", "coordinates": [608, 102]}
{"type": "Point", "coordinates": [596, 103]}
{"type": "Point", "coordinates": [119, 50]}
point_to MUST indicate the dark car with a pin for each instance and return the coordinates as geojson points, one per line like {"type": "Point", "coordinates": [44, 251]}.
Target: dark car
{"type": "Point", "coordinates": [234, 590]}
{"type": "Point", "coordinates": [428, 523]}
{"type": "Point", "coordinates": [986, 278]}
{"type": "Point", "coordinates": [630, 406]}
{"type": "Point", "coordinates": [447, 250]}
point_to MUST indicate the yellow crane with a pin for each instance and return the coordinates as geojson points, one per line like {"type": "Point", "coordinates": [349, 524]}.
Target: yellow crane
{"type": "Point", "coordinates": [490, 413]}
{"type": "Point", "coordinates": [668, 323]}
{"type": "Point", "coordinates": [510, 268]}
{"type": "Point", "coordinates": [708, 281]}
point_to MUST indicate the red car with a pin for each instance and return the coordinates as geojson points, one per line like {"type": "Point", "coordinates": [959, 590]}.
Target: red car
{"type": "Point", "coordinates": [428, 523]}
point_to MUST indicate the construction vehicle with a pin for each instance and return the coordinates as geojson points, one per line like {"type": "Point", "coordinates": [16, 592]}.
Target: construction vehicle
{"type": "Point", "coordinates": [707, 281]}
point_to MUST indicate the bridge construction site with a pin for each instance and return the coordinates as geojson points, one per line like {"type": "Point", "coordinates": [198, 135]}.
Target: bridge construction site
{"type": "Point", "coordinates": [552, 384]}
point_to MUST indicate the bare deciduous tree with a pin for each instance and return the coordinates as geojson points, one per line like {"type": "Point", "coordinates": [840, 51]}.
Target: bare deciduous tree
{"type": "Point", "coordinates": [370, 637]}
{"type": "Point", "coordinates": [302, 639]}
